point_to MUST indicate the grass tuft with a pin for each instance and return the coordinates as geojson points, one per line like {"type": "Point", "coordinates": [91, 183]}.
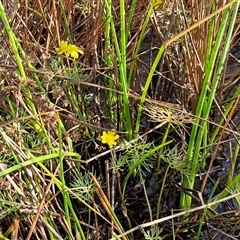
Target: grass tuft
{"type": "Point", "coordinates": [119, 119]}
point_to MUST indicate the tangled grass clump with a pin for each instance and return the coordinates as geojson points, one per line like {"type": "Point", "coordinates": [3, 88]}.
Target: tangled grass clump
{"type": "Point", "coordinates": [122, 131]}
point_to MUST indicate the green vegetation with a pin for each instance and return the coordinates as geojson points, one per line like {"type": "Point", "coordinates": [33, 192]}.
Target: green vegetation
{"type": "Point", "coordinates": [119, 119]}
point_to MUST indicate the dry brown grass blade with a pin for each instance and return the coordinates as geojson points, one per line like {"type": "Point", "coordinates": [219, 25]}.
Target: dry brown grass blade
{"type": "Point", "coordinates": [40, 208]}
{"type": "Point", "coordinates": [14, 235]}
{"type": "Point", "coordinates": [105, 202]}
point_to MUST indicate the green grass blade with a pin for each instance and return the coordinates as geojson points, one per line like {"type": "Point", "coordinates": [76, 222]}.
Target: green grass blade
{"type": "Point", "coordinates": [205, 103]}
{"type": "Point", "coordinates": [144, 157]}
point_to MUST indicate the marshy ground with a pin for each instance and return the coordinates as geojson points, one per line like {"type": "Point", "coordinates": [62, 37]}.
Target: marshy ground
{"type": "Point", "coordinates": [119, 120]}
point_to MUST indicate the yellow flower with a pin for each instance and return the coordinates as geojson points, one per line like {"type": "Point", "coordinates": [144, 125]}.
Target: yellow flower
{"type": "Point", "coordinates": [69, 49]}
{"type": "Point", "coordinates": [159, 5]}
{"type": "Point", "coordinates": [62, 48]}
{"type": "Point", "coordinates": [73, 51]}
{"type": "Point", "coordinates": [110, 138]}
